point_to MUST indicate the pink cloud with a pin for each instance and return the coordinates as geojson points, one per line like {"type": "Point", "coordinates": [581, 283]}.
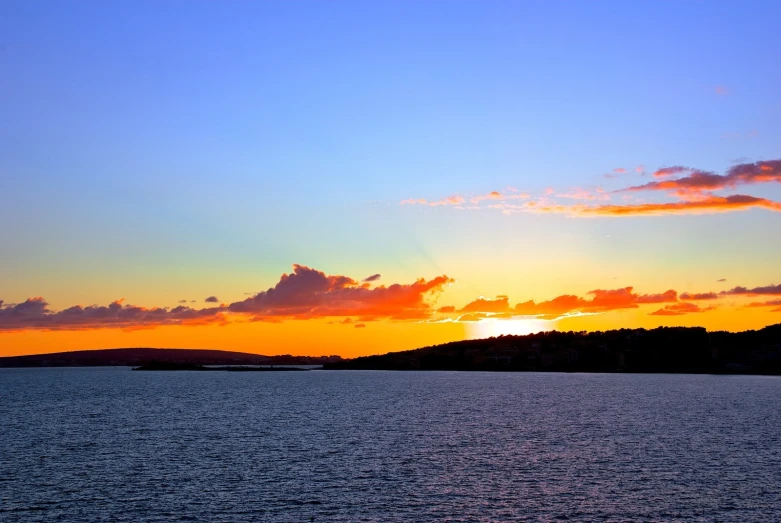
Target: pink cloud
{"type": "Point", "coordinates": [305, 293]}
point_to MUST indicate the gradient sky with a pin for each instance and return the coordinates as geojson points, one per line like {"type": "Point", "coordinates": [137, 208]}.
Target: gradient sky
{"type": "Point", "coordinates": [161, 153]}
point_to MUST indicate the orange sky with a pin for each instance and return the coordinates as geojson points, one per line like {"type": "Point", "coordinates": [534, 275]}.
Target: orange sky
{"type": "Point", "coordinates": [308, 312]}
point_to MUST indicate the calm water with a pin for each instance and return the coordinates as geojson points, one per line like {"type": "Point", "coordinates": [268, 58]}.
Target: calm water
{"type": "Point", "coordinates": [114, 445]}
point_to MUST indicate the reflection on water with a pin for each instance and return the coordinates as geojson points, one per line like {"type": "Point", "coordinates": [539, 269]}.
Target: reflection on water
{"type": "Point", "coordinates": [110, 444]}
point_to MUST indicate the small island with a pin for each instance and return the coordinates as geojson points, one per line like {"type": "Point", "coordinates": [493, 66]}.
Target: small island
{"type": "Point", "coordinates": [170, 365]}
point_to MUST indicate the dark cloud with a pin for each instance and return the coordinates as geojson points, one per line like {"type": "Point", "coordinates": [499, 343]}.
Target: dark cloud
{"type": "Point", "coordinates": [699, 296]}
{"type": "Point", "coordinates": [360, 326]}
{"type": "Point", "coordinates": [698, 181]}
{"type": "Point", "coordinates": [768, 289]}
{"type": "Point", "coordinates": [212, 299]}
{"type": "Point", "coordinates": [373, 277]}
{"type": "Point", "coordinates": [34, 313]}
{"type": "Point", "coordinates": [721, 280]}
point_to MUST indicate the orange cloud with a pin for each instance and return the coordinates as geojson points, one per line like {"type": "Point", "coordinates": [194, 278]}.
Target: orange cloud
{"type": "Point", "coordinates": [670, 171]}
{"type": "Point", "coordinates": [450, 200]}
{"type": "Point", "coordinates": [500, 304]}
{"type": "Point", "coordinates": [601, 301]}
{"type": "Point", "coordinates": [712, 204]}
{"type": "Point", "coordinates": [769, 303]}
{"type": "Point", "coordinates": [679, 309]}
{"type": "Point", "coordinates": [493, 195]}
{"type": "Point", "coordinates": [306, 293]}
{"type": "Point", "coordinates": [693, 193]}
{"type": "Point", "coordinates": [697, 180]}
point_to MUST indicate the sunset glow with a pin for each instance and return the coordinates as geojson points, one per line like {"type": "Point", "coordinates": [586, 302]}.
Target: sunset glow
{"type": "Point", "coordinates": [404, 175]}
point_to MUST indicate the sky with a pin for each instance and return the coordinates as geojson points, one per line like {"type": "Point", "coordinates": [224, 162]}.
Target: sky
{"type": "Point", "coordinates": [362, 177]}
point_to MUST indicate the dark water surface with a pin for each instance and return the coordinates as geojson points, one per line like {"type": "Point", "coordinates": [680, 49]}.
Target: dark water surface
{"type": "Point", "coordinates": [107, 444]}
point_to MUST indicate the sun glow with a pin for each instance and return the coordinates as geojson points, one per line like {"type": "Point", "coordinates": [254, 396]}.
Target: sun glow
{"type": "Point", "coordinates": [488, 327]}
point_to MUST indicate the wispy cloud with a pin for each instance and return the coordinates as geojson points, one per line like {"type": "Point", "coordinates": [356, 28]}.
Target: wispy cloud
{"type": "Point", "coordinates": [756, 291]}
{"type": "Point", "coordinates": [699, 296]}
{"type": "Point", "coordinates": [693, 191]}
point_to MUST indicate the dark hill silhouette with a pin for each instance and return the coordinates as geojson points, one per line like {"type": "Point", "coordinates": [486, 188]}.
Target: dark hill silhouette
{"type": "Point", "coordinates": [140, 356]}
{"type": "Point", "coordinates": [665, 349]}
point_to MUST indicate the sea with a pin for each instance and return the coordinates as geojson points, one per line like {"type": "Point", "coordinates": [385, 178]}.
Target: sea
{"type": "Point", "coordinates": [109, 444]}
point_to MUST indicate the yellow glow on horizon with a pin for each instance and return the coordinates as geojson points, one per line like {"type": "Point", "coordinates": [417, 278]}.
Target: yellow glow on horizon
{"type": "Point", "coordinates": [488, 327]}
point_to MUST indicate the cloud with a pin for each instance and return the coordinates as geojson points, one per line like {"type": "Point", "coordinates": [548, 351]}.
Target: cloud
{"type": "Point", "coordinates": [769, 303]}
{"type": "Point", "coordinates": [679, 309]}
{"type": "Point", "coordinates": [212, 299]}
{"type": "Point", "coordinates": [306, 293]}
{"type": "Point", "coordinates": [664, 172]}
{"type": "Point", "coordinates": [698, 181]}
{"type": "Point", "coordinates": [500, 304]}
{"type": "Point", "coordinates": [34, 313]}
{"type": "Point", "coordinates": [493, 195]}
{"type": "Point", "coordinates": [450, 200]}
{"type": "Point", "coordinates": [767, 289]}
{"type": "Point", "coordinates": [709, 205]}
{"type": "Point", "coordinates": [665, 297]}
{"type": "Point", "coordinates": [693, 190]}
{"type": "Point", "coordinates": [720, 280]}
{"type": "Point", "coordinates": [446, 309]}
{"type": "Point", "coordinates": [180, 301]}
{"type": "Point", "coordinates": [582, 194]}
{"type": "Point", "coordinates": [360, 326]}
{"type": "Point", "coordinates": [601, 301]}
{"type": "Point", "coordinates": [373, 277]}
{"type": "Point", "coordinates": [699, 296]}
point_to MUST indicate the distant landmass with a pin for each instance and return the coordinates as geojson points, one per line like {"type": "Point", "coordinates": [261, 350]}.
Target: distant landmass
{"type": "Point", "coordinates": [665, 349]}
{"type": "Point", "coordinates": [167, 366]}
{"type": "Point", "coordinates": [133, 357]}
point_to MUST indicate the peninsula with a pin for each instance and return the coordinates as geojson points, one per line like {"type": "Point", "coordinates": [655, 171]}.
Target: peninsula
{"type": "Point", "coordinates": [664, 349]}
{"type": "Point", "coordinates": [133, 357]}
